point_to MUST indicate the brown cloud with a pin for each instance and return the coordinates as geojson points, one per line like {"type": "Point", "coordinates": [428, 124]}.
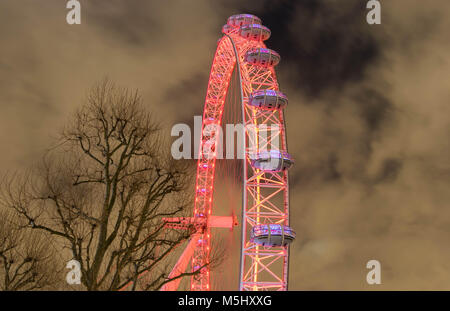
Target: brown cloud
{"type": "Point", "coordinates": [368, 118]}
{"type": "Point", "coordinates": [372, 167]}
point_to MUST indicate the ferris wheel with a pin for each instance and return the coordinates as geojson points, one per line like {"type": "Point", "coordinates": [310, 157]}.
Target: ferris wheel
{"type": "Point", "coordinates": [265, 231]}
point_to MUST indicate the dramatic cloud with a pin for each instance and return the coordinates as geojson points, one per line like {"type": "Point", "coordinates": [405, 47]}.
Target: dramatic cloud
{"type": "Point", "coordinates": [368, 123]}
{"type": "Point", "coordinates": [368, 116]}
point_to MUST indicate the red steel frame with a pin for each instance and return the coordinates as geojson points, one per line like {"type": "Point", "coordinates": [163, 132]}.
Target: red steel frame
{"type": "Point", "coordinates": [265, 194]}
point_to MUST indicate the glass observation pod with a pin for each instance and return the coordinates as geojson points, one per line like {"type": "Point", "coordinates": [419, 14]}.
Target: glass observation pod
{"type": "Point", "coordinates": [262, 57]}
{"type": "Point", "coordinates": [268, 99]}
{"type": "Point", "coordinates": [243, 19]}
{"type": "Point", "coordinates": [272, 235]}
{"type": "Point", "coordinates": [255, 32]}
{"type": "Point", "coordinates": [271, 161]}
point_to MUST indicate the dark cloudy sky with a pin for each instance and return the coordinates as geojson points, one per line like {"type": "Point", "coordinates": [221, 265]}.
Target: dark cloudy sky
{"type": "Point", "coordinates": [368, 115]}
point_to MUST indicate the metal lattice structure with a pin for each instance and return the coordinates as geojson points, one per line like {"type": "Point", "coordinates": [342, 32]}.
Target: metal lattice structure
{"type": "Point", "coordinates": [265, 206]}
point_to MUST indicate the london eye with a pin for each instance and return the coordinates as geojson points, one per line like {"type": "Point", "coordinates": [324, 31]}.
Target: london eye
{"type": "Point", "coordinates": [263, 171]}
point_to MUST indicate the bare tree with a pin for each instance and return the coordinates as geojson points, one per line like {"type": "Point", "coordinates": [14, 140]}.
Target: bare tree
{"type": "Point", "coordinates": [26, 258]}
{"type": "Point", "coordinates": [104, 191]}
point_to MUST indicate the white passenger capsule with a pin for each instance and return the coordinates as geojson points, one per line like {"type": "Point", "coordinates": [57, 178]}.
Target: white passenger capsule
{"type": "Point", "coordinates": [243, 19]}
{"type": "Point", "coordinates": [255, 32]}
{"type": "Point", "coordinates": [272, 235]}
{"type": "Point", "coordinates": [262, 57]}
{"type": "Point", "coordinates": [268, 99]}
{"type": "Point", "coordinates": [271, 161]}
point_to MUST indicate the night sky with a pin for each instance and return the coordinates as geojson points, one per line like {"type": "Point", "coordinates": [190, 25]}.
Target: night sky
{"type": "Point", "coordinates": [367, 121]}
